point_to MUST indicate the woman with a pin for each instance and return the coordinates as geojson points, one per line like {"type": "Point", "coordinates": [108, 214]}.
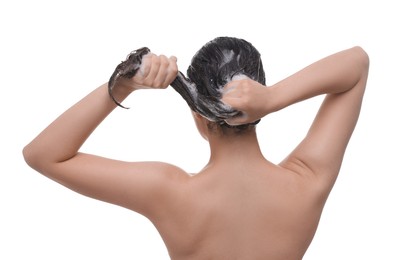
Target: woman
{"type": "Point", "coordinates": [240, 205]}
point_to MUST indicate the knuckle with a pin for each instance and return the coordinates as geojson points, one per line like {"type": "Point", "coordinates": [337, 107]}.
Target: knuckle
{"type": "Point", "coordinates": [155, 61]}
{"type": "Point", "coordinates": [173, 69]}
{"type": "Point", "coordinates": [163, 59]}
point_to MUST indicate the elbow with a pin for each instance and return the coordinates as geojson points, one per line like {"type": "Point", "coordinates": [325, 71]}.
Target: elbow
{"type": "Point", "coordinates": [28, 156]}
{"type": "Point", "coordinates": [31, 157]}
{"type": "Point", "coordinates": [362, 58]}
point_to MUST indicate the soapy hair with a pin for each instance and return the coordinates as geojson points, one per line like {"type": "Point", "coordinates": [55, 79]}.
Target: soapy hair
{"type": "Point", "coordinates": [212, 67]}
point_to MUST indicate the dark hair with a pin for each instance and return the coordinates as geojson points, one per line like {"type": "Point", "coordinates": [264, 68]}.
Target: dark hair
{"type": "Point", "coordinates": [212, 67]}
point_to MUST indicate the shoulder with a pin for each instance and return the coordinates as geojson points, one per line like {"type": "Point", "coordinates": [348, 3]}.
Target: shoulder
{"type": "Point", "coordinates": [158, 176]}
{"type": "Point", "coordinates": [154, 185]}
{"type": "Point", "coordinates": [161, 170]}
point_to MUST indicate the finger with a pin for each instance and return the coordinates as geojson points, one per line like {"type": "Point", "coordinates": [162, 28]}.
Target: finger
{"type": "Point", "coordinates": [162, 72]}
{"type": "Point", "coordinates": [172, 70]}
{"type": "Point", "coordinates": [238, 120]}
{"type": "Point", "coordinates": [231, 101]}
{"type": "Point", "coordinates": [228, 88]}
{"type": "Point", "coordinates": [145, 64]}
{"type": "Point", "coordinates": [231, 89]}
{"type": "Point", "coordinates": [239, 77]}
{"type": "Point", "coordinates": [155, 63]}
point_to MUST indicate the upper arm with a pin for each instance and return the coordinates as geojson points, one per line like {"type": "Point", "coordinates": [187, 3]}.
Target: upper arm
{"type": "Point", "coordinates": [139, 186]}
{"type": "Point", "coordinates": [321, 151]}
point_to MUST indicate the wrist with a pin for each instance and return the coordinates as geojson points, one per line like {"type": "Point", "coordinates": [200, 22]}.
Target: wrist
{"type": "Point", "coordinates": [121, 92]}
{"type": "Point", "coordinates": [273, 100]}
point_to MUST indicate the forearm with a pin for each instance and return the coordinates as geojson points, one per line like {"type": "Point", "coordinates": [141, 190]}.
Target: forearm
{"type": "Point", "coordinates": [62, 139]}
{"type": "Point", "coordinates": [334, 74]}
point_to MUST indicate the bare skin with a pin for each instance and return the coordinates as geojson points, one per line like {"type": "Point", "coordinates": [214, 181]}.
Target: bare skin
{"type": "Point", "coordinates": [240, 206]}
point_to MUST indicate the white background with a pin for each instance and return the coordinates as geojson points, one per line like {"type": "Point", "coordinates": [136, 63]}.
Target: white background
{"type": "Point", "coordinates": [55, 52]}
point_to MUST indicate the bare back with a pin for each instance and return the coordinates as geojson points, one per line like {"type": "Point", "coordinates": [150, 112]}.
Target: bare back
{"type": "Point", "coordinates": [261, 212]}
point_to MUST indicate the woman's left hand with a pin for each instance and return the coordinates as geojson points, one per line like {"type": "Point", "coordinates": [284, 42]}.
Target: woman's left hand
{"type": "Point", "coordinates": [249, 97]}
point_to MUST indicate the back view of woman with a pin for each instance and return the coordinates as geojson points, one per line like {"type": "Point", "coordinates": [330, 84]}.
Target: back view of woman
{"type": "Point", "coordinates": [240, 206]}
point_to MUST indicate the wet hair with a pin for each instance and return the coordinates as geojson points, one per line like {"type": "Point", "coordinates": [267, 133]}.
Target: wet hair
{"type": "Point", "coordinates": [126, 69]}
{"type": "Point", "coordinates": [212, 67]}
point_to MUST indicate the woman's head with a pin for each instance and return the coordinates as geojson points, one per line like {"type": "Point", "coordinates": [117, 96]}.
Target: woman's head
{"type": "Point", "coordinates": [212, 67]}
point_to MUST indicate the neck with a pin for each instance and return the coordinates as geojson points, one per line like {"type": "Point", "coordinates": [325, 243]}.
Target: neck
{"type": "Point", "coordinates": [234, 149]}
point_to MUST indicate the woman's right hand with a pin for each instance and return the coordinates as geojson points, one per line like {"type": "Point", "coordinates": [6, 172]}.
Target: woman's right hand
{"type": "Point", "coordinates": [155, 72]}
